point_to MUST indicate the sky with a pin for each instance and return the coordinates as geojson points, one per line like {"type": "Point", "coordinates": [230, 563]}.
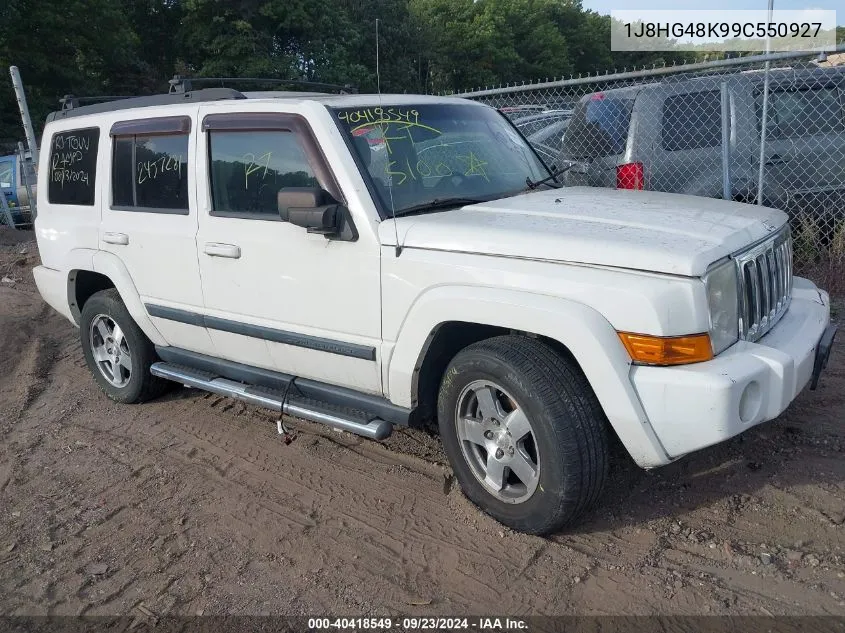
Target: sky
{"type": "Point", "coordinates": [605, 6]}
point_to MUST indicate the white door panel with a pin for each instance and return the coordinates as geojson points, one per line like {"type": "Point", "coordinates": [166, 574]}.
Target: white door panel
{"type": "Point", "coordinates": [242, 349]}
{"type": "Point", "coordinates": [354, 373]}
{"type": "Point", "coordinates": [157, 246]}
{"type": "Point", "coordinates": [291, 282]}
{"type": "Point", "coordinates": [183, 335]}
{"type": "Point", "coordinates": [313, 303]}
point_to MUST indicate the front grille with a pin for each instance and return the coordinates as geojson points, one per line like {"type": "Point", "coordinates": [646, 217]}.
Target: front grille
{"type": "Point", "coordinates": [765, 284]}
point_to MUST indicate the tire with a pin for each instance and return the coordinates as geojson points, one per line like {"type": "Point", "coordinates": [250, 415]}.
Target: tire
{"type": "Point", "coordinates": [129, 380]}
{"type": "Point", "coordinates": [566, 448]}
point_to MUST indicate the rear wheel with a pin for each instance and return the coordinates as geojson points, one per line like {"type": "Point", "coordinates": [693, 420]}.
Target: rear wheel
{"type": "Point", "coordinates": [118, 353]}
{"type": "Point", "coordinates": [524, 433]}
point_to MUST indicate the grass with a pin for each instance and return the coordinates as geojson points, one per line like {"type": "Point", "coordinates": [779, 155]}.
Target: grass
{"type": "Point", "coordinates": [819, 251]}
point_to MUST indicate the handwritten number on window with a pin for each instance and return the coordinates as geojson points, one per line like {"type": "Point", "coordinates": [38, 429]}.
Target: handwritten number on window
{"type": "Point", "coordinates": [253, 164]}
{"type": "Point", "coordinates": [152, 169]}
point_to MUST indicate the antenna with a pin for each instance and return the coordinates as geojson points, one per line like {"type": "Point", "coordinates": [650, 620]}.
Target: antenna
{"type": "Point", "coordinates": [378, 75]}
{"type": "Point", "coordinates": [387, 147]}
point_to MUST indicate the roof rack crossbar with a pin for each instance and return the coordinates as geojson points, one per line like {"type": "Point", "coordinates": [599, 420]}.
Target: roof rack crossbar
{"type": "Point", "coordinates": [186, 84]}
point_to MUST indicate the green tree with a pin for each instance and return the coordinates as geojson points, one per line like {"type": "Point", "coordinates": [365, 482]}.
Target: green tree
{"type": "Point", "coordinates": [80, 47]}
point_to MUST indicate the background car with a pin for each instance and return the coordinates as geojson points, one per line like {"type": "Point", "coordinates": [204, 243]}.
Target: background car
{"type": "Point", "coordinates": [14, 177]}
{"type": "Point", "coordinates": [667, 136]}
{"type": "Point", "coordinates": [544, 130]}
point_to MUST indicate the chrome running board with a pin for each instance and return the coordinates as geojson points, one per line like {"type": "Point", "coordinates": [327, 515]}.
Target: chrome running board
{"type": "Point", "coordinates": [374, 429]}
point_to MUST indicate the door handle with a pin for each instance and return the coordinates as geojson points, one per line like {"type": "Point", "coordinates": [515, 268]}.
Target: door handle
{"type": "Point", "coordinates": [116, 238]}
{"type": "Point", "coordinates": [216, 249]}
{"type": "Point", "coordinates": [775, 159]}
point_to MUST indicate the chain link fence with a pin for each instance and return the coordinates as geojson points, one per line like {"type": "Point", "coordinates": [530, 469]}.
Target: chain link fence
{"type": "Point", "coordinates": [761, 129]}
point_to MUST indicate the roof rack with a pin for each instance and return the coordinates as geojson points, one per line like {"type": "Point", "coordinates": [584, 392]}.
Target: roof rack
{"type": "Point", "coordinates": [185, 84]}
{"type": "Point", "coordinates": [69, 102]}
{"type": "Point", "coordinates": [71, 105]}
{"type": "Point", "coordinates": [181, 90]}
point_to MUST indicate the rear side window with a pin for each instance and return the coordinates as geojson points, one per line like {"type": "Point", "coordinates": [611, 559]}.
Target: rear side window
{"type": "Point", "coordinates": [799, 113]}
{"type": "Point", "coordinates": [248, 168]}
{"type": "Point", "coordinates": [599, 127]}
{"type": "Point", "coordinates": [692, 121]}
{"type": "Point", "coordinates": [150, 173]}
{"type": "Point", "coordinates": [73, 167]}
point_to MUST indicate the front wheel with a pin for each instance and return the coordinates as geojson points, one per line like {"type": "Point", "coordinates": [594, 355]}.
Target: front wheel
{"type": "Point", "coordinates": [524, 433]}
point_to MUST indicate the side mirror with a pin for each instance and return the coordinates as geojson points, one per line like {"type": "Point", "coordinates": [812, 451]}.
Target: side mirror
{"type": "Point", "coordinates": [312, 208]}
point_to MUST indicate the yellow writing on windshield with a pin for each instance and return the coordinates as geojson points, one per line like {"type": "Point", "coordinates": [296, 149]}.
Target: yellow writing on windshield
{"type": "Point", "coordinates": [401, 171]}
{"type": "Point", "coordinates": [404, 118]}
{"type": "Point", "coordinates": [474, 166]}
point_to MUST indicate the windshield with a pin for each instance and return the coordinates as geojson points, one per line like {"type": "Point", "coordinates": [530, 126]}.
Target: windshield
{"type": "Point", "coordinates": [421, 154]}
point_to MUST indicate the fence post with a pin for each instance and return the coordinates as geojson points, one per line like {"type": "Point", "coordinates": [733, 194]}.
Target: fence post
{"type": "Point", "coordinates": [727, 192]}
{"type": "Point", "coordinates": [24, 108]}
{"type": "Point", "coordinates": [29, 193]}
{"type": "Point", "coordinates": [764, 115]}
{"type": "Point", "coordinates": [7, 214]}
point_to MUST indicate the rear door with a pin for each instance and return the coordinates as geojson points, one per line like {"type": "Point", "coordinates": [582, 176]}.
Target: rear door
{"type": "Point", "coordinates": [150, 221]}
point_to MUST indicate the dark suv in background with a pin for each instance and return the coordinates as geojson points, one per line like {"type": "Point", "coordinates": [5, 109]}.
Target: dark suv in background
{"type": "Point", "coordinates": [668, 137]}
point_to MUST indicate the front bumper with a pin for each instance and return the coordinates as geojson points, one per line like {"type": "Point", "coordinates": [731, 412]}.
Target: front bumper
{"type": "Point", "coordinates": [694, 406]}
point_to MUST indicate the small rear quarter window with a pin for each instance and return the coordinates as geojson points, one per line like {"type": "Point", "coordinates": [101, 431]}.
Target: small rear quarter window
{"type": "Point", "coordinates": [73, 167]}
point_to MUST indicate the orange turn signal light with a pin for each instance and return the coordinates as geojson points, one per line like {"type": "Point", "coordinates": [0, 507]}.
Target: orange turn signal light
{"type": "Point", "coordinates": [667, 350]}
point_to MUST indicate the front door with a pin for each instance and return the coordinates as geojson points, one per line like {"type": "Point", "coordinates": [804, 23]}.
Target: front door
{"type": "Point", "coordinates": [275, 295]}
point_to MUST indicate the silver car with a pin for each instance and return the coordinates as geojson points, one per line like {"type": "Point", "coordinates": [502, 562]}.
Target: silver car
{"type": "Point", "coordinates": [667, 136]}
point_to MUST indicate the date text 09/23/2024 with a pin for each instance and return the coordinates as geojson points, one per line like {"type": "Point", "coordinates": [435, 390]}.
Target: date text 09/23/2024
{"type": "Point", "coordinates": [419, 623]}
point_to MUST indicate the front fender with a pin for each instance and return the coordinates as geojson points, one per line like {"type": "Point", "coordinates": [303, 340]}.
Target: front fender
{"type": "Point", "coordinates": [110, 265]}
{"type": "Point", "coordinates": [585, 332]}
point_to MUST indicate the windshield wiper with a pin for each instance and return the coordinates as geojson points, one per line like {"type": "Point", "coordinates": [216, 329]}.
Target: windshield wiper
{"type": "Point", "coordinates": [533, 184]}
{"type": "Point", "coordinates": [437, 203]}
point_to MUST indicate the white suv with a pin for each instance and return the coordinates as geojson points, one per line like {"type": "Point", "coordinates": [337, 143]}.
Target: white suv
{"type": "Point", "coordinates": [367, 261]}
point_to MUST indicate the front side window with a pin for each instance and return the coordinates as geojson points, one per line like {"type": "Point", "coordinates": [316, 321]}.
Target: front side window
{"type": "Point", "coordinates": [692, 121]}
{"type": "Point", "coordinates": [150, 172]}
{"type": "Point", "coordinates": [73, 167]}
{"type": "Point", "coordinates": [417, 157]}
{"type": "Point", "coordinates": [248, 168]}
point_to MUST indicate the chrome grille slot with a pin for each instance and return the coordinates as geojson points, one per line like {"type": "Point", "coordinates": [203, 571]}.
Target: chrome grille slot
{"type": "Point", "coordinates": [764, 274]}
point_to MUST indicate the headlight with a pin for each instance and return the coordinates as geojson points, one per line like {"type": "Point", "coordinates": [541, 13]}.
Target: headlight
{"type": "Point", "coordinates": [723, 299]}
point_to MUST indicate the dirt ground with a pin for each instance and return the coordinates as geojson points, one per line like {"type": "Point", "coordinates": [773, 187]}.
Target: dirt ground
{"type": "Point", "coordinates": [193, 504]}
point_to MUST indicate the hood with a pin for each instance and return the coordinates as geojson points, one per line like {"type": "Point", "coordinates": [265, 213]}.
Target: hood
{"type": "Point", "coordinates": [641, 230]}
